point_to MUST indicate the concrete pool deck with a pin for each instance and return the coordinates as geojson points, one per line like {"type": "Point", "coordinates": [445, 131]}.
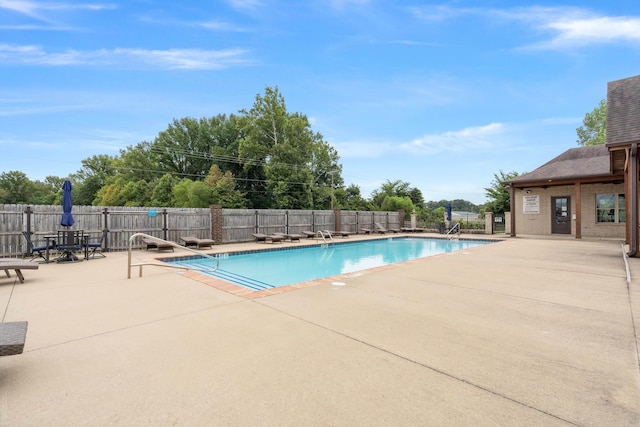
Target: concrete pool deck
{"type": "Point", "coordinates": [525, 332]}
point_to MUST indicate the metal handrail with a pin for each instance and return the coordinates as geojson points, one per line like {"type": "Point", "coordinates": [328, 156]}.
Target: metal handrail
{"type": "Point", "coordinates": [165, 242]}
{"type": "Point", "coordinates": [321, 234]}
{"type": "Point", "coordinates": [455, 227]}
{"type": "Point", "coordinates": [330, 236]}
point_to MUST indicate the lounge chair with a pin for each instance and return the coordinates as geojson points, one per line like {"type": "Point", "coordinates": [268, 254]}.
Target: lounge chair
{"type": "Point", "coordinates": [410, 229]}
{"type": "Point", "coordinates": [342, 234]}
{"type": "Point", "coordinates": [198, 243]}
{"type": "Point", "coordinates": [366, 230]}
{"type": "Point", "coordinates": [12, 337]}
{"type": "Point", "coordinates": [273, 238]}
{"type": "Point", "coordinates": [291, 237]}
{"type": "Point", "coordinates": [17, 265]}
{"type": "Point", "coordinates": [259, 237]}
{"type": "Point", "coordinates": [156, 244]}
{"type": "Point", "coordinates": [309, 234]}
{"type": "Point", "coordinates": [380, 229]}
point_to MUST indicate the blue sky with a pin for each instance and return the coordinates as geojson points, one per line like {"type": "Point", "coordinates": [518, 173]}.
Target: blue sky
{"type": "Point", "coordinates": [442, 95]}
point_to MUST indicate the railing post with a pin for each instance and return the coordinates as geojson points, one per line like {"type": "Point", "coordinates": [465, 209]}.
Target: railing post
{"type": "Point", "coordinates": [256, 222]}
{"type": "Point", "coordinates": [28, 213]}
{"type": "Point", "coordinates": [165, 228]}
{"type": "Point", "coordinates": [105, 228]}
{"type": "Point", "coordinates": [286, 222]}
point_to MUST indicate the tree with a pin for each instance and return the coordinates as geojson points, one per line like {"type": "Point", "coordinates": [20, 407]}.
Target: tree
{"type": "Point", "coordinates": [224, 189]}
{"type": "Point", "coordinates": [48, 192]}
{"type": "Point", "coordinates": [456, 205]}
{"type": "Point", "coordinates": [192, 194]}
{"type": "Point", "coordinates": [184, 148]}
{"type": "Point", "coordinates": [112, 193]}
{"type": "Point", "coordinates": [285, 162]}
{"type": "Point", "coordinates": [499, 197]}
{"type": "Point", "coordinates": [137, 163]}
{"type": "Point", "coordinates": [594, 126]}
{"type": "Point", "coordinates": [162, 195]}
{"type": "Point", "coordinates": [436, 215]}
{"type": "Point", "coordinates": [15, 187]}
{"type": "Point", "coordinates": [395, 203]}
{"type": "Point", "coordinates": [354, 200]}
{"type": "Point", "coordinates": [397, 188]}
{"type": "Point", "coordinates": [135, 193]}
{"type": "Point", "coordinates": [91, 178]}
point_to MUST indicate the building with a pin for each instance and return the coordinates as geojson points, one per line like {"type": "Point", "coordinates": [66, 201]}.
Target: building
{"type": "Point", "coordinates": [588, 191]}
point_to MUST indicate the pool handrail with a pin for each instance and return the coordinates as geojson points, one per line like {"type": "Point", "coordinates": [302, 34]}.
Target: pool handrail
{"type": "Point", "coordinates": [167, 242]}
{"type": "Point", "coordinates": [321, 233]}
{"type": "Point", "coordinates": [456, 228]}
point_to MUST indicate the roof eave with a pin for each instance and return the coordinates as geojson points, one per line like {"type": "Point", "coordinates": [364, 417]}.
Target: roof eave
{"type": "Point", "coordinates": [552, 182]}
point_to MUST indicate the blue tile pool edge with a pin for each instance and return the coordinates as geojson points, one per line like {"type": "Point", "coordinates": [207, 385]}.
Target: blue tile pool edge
{"type": "Point", "coordinates": [311, 246]}
{"type": "Point", "coordinates": [244, 292]}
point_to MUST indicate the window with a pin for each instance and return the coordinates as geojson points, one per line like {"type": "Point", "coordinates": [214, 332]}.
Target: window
{"type": "Point", "coordinates": [610, 208]}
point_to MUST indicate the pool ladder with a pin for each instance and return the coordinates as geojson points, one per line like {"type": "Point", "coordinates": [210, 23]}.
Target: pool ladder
{"type": "Point", "coordinates": [455, 229]}
{"type": "Point", "coordinates": [324, 234]}
{"type": "Point", "coordinates": [173, 244]}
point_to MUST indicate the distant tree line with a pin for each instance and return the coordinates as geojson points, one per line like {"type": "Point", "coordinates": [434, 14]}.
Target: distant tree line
{"type": "Point", "coordinates": [262, 157]}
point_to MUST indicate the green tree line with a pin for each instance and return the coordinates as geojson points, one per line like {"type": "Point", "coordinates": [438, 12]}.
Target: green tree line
{"type": "Point", "coordinates": [264, 157]}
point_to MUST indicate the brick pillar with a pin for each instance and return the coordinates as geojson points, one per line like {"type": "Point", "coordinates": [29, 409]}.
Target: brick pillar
{"type": "Point", "coordinates": [337, 219]}
{"type": "Point", "coordinates": [507, 223]}
{"type": "Point", "coordinates": [488, 223]}
{"type": "Point", "coordinates": [216, 223]}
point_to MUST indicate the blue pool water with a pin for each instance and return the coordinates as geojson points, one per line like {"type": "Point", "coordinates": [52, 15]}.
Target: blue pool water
{"type": "Point", "coordinates": [260, 270]}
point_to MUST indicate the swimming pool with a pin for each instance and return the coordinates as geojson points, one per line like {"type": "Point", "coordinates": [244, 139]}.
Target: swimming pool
{"type": "Point", "coordinates": [260, 270]}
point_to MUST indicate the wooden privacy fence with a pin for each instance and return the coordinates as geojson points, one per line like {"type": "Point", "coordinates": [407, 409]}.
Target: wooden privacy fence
{"type": "Point", "coordinates": [118, 223]}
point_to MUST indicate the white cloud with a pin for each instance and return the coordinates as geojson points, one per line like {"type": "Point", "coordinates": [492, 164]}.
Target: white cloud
{"type": "Point", "coordinates": [570, 26]}
{"type": "Point", "coordinates": [598, 30]}
{"type": "Point", "coordinates": [221, 26]}
{"type": "Point", "coordinates": [245, 4]}
{"type": "Point", "coordinates": [574, 27]}
{"type": "Point", "coordinates": [472, 138]}
{"type": "Point", "coordinates": [35, 9]}
{"type": "Point", "coordinates": [186, 59]}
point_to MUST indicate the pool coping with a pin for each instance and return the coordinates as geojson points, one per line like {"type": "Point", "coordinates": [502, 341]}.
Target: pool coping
{"type": "Point", "coordinates": [241, 291]}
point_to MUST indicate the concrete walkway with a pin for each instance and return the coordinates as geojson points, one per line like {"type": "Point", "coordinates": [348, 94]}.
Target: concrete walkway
{"type": "Point", "coordinates": [523, 332]}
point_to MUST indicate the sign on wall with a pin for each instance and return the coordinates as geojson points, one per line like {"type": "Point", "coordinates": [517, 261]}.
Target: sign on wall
{"type": "Point", "coordinates": [531, 204]}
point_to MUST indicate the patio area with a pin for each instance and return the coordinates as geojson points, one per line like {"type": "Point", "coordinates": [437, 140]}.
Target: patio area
{"type": "Point", "coordinates": [524, 332]}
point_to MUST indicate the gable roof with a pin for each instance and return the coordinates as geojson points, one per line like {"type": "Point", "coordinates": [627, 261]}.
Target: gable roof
{"type": "Point", "coordinates": [623, 111]}
{"type": "Point", "coordinates": [575, 163]}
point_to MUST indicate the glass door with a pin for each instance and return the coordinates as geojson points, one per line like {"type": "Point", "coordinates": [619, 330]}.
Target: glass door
{"type": "Point", "coordinates": [561, 215]}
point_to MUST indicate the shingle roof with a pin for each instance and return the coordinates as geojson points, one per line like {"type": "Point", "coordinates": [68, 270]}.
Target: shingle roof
{"type": "Point", "coordinates": [623, 111]}
{"type": "Point", "coordinates": [581, 162]}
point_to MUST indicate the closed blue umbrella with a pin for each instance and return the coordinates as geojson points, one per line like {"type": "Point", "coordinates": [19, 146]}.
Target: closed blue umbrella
{"type": "Point", "coordinates": [67, 218]}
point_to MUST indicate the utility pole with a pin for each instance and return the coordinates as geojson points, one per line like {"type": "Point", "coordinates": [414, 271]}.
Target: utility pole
{"type": "Point", "coordinates": [332, 172]}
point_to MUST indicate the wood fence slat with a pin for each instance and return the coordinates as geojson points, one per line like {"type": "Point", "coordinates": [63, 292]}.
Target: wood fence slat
{"type": "Point", "coordinates": [124, 221]}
